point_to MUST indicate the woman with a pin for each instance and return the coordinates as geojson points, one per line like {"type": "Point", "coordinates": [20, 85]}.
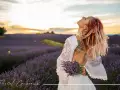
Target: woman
{"type": "Point", "coordinates": [87, 52]}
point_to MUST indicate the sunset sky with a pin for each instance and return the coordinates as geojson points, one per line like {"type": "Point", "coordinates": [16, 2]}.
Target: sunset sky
{"type": "Point", "coordinates": [44, 14]}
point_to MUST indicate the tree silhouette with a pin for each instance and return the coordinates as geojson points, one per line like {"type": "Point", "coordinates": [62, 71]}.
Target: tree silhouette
{"type": "Point", "coordinates": [2, 31]}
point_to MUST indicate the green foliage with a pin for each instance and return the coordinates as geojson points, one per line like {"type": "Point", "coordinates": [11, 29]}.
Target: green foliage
{"type": "Point", "coordinates": [52, 43]}
{"type": "Point", "coordinates": [2, 31]}
{"type": "Point", "coordinates": [2, 36]}
{"type": "Point", "coordinates": [38, 33]}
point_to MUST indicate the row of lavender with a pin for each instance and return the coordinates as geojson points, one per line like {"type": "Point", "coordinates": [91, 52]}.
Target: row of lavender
{"type": "Point", "coordinates": [30, 39]}
{"type": "Point", "coordinates": [34, 39]}
{"type": "Point", "coordinates": [35, 73]}
{"type": "Point", "coordinates": [41, 69]}
{"type": "Point", "coordinates": [18, 48]}
{"type": "Point", "coordinates": [14, 59]}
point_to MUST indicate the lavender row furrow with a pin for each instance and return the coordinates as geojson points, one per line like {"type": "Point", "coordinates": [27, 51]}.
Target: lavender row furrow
{"type": "Point", "coordinates": [38, 70]}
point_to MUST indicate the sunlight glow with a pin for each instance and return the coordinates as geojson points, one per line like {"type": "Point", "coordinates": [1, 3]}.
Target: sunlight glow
{"type": "Point", "coordinates": [44, 14]}
{"type": "Point", "coordinates": [36, 15]}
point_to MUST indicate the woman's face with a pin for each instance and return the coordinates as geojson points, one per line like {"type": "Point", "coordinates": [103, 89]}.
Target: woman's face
{"type": "Point", "coordinates": [82, 23]}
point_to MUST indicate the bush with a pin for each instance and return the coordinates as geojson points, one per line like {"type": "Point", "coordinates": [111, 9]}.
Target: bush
{"type": "Point", "coordinates": [52, 32]}
{"type": "Point", "coordinates": [2, 31]}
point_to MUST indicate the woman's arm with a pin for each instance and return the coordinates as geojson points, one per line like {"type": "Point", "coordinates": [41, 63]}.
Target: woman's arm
{"type": "Point", "coordinates": [96, 69]}
{"type": "Point", "coordinates": [64, 56]}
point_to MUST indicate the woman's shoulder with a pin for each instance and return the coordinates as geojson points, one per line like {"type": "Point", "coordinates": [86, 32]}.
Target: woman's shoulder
{"type": "Point", "coordinates": [72, 41]}
{"type": "Point", "coordinates": [71, 37]}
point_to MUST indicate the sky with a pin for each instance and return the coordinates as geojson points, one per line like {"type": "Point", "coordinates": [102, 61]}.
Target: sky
{"type": "Point", "coordinates": [59, 13]}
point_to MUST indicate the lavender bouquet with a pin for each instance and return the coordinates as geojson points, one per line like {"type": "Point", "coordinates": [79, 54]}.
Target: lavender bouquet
{"type": "Point", "coordinates": [72, 68]}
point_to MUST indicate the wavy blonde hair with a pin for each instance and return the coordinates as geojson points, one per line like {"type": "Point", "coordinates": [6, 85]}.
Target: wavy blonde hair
{"type": "Point", "coordinates": [95, 41]}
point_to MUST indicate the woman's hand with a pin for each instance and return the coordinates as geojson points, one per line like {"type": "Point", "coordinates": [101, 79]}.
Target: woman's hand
{"type": "Point", "coordinates": [83, 71]}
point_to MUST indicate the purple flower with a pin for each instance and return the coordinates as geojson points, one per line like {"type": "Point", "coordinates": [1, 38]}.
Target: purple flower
{"type": "Point", "coordinates": [73, 68]}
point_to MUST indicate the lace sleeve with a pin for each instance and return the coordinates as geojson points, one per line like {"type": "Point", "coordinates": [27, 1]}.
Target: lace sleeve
{"type": "Point", "coordinates": [64, 56]}
{"type": "Point", "coordinates": [96, 69]}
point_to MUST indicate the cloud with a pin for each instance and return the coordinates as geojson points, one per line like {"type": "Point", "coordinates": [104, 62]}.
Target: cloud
{"type": "Point", "coordinates": [4, 7]}
{"type": "Point", "coordinates": [37, 1]}
{"type": "Point", "coordinates": [47, 13]}
{"type": "Point", "coordinates": [111, 21]}
{"type": "Point", "coordinates": [92, 9]}
{"type": "Point", "coordinates": [97, 7]}
{"type": "Point", "coordinates": [10, 1]}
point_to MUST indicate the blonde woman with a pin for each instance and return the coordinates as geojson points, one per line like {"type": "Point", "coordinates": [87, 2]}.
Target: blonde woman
{"type": "Point", "coordinates": [86, 48]}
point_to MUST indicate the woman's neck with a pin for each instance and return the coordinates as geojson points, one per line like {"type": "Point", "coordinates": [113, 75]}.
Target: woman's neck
{"type": "Point", "coordinates": [78, 37]}
{"type": "Point", "coordinates": [79, 33]}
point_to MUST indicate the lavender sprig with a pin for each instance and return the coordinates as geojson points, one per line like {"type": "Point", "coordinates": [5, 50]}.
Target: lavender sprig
{"type": "Point", "coordinates": [73, 68]}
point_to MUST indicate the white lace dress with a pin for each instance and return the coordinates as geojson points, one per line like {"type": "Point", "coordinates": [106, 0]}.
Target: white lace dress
{"type": "Point", "coordinates": [78, 82]}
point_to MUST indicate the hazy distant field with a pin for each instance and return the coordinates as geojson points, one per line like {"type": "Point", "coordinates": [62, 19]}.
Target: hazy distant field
{"type": "Point", "coordinates": [25, 59]}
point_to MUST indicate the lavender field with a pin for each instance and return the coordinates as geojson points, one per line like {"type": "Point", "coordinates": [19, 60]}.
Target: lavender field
{"type": "Point", "coordinates": [26, 63]}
